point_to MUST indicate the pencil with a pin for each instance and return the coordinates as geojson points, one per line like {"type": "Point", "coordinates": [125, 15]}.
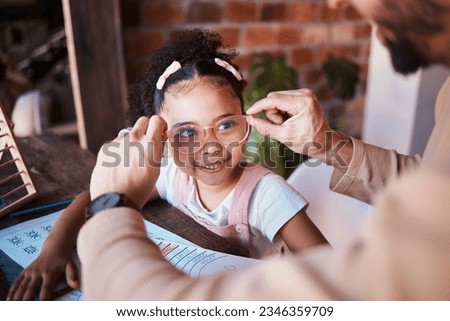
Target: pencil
{"type": "Point", "coordinates": [42, 208]}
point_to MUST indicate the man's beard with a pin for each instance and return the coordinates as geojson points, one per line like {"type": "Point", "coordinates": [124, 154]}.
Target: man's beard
{"type": "Point", "coordinates": [404, 57]}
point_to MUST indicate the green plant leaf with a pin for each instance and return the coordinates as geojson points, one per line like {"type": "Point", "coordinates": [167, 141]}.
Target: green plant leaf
{"type": "Point", "coordinates": [342, 76]}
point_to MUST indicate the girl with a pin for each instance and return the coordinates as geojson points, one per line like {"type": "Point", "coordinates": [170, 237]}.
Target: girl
{"type": "Point", "coordinates": [198, 92]}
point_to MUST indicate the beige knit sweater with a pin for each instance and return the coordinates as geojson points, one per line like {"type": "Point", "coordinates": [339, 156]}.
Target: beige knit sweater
{"type": "Point", "coordinates": [403, 252]}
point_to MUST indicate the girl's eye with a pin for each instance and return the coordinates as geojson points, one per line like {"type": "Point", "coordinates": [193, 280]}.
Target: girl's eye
{"type": "Point", "coordinates": [226, 125]}
{"type": "Point", "coordinates": [187, 132]}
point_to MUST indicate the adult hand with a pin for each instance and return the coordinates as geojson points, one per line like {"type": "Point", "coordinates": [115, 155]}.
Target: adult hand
{"type": "Point", "coordinates": [296, 119]}
{"type": "Point", "coordinates": [130, 164]}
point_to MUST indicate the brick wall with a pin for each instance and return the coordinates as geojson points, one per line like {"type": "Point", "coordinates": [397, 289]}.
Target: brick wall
{"type": "Point", "coordinates": [305, 31]}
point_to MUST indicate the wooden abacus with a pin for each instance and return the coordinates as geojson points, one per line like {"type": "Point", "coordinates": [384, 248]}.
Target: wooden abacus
{"type": "Point", "coordinates": [16, 185]}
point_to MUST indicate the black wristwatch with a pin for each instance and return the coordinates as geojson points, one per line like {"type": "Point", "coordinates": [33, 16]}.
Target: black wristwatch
{"type": "Point", "coordinates": [108, 200]}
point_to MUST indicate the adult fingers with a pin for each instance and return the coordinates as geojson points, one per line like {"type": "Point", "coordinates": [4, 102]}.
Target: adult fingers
{"type": "Point", "coordinates": [275, 102]}
{"type": "Point", "coordinates": [296, 92]}
{"type": "Point", "coordinates": [275, 116]}
{"type": "Point", "coordinates": [156, 127]}
{"type": "Point", "coordinates": [265, 127]}
{"type": "Point", "coordinates": [156, 135]}
{"type": "Point", "coordinates": [289, 101]}
{"type": "Point", "coordinates": [72, 275]}
{"type": "Point", "coordinates": [140, 127]}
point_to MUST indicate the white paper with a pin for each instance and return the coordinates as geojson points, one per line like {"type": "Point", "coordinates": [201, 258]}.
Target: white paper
{"type": "Point", "coordinates": [23, 243]}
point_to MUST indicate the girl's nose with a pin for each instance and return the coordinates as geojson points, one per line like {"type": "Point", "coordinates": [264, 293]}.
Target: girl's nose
{"type": "Point", "coordinates": [211, 143]}
{"type": "Point", "coordinates": [212, 148]}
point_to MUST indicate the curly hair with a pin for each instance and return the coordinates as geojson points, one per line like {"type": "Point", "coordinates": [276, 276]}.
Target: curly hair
{"type": "Point", "coordinates": [195, 50]}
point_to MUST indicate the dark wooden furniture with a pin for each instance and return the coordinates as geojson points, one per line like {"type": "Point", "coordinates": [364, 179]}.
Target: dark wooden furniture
{"type": "Point", "coordinates": [61, 169]}
{"type": "Point", "coordinates": [99, 86]}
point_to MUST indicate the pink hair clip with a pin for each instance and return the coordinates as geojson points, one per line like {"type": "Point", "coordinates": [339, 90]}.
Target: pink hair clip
{"type": "Point", "coordinates": [174, 66]}
{"type": "Point", "coordinates": [228, 67]}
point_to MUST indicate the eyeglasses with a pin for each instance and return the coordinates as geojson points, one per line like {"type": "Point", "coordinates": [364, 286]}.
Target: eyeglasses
{"type": "Point", "coordinates": [190, 138]}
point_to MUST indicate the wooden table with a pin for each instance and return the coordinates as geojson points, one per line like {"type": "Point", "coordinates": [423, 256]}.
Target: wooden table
{"type": "Point", "coordinates": [60, 169]}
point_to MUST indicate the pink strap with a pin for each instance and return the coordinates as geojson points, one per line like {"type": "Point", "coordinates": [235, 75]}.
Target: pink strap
{"type": "Point", "coordinates": [237, 228]}
{"type": "Point", "coordinates": [243, 191]}
{"type": "Point", "coordinates": [182, 185]}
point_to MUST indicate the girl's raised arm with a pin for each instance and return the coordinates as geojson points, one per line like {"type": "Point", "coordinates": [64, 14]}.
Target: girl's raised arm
{"type": "Point", "coordinates": [300, 233]}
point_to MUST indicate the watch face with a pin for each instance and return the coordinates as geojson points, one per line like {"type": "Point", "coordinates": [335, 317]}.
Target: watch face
{"type": "Point", "coordinates": [103, 202]}
{"type": "Point", "coordinates": [108, 200]}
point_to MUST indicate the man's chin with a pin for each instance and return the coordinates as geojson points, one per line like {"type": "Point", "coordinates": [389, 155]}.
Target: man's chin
{"type": "Point", "coordinates": [406, 64]}
{"type": "Point", "coordinates": [405, 70]}
{"type": "Point", "coordinates": [405, 59]}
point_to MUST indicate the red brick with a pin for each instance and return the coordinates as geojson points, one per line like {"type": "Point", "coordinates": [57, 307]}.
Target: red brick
{"type": "Point", "coordinates": [351, 13]}
{"type": "Point", "coordinates": [342, 32]}
{"type": "Point", "coordinates": [204, 12]}
{"type": "Point", "coordinates": [273, 12]}
{"type": "Point", "coordinates": [347, 51]}
{"type": "Point", "coordinates": [315, 34]}
{"type": "Point", "coordinates": [289, 36]}
{"type": "Point", "coordinates": [363, 31]}
{"type": "Point", "coordinates": [240, 11]}
{"type": "Point", "coordinates": [162, 13]}
{"type": "Point", "coordinates": [328, 14]}
{"type": "Point", "coordinates": [243, 61]}
{"type": "Point", "coordinates": [258, 37]}
{"type": "Point", "coordinates": [313, 77]}
{"type": "Point", "coordinates": [230, 36]}
{"type": "Point", "coordinates": [302, 56]}
{"type": "Point", "coordinates": [302, 11]}
{"type": "Point", "coordinates": [142, 42]}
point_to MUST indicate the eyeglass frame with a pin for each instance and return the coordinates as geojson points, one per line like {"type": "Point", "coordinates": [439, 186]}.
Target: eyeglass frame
{"type": "Point", "coordinates": [205, 128]}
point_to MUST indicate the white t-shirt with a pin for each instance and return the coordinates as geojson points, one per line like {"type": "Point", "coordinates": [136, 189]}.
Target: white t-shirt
{"type": "Point", "coordinates": [272, 204]}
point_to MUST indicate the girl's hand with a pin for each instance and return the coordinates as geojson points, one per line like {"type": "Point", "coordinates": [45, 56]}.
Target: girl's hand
{"type": "Point", "coordinates": [41, 277]}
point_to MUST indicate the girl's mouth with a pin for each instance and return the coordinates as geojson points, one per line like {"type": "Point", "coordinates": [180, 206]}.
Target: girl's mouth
{"type": "Point", "coordinates": [213, 166]}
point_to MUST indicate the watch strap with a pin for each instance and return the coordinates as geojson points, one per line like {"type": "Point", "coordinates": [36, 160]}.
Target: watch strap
{"type": "Point", "coordinates": [108, 201]}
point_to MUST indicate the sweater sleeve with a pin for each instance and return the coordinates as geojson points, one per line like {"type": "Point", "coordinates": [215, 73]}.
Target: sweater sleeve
{"type": "Point", "coordinates": [389, 261]}
{"type": "Point", "coordinates": [370, 169]}
{"type": "Point", "coordinates": [119, 262]}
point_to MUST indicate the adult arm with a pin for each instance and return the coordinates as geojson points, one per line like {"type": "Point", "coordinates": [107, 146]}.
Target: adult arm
{"type": "Point", "coordinates": [295, 118]}
{"type": "Point", "coordinates": [390, 261]}
{"type": "Point", "coordinates": [370, 169]}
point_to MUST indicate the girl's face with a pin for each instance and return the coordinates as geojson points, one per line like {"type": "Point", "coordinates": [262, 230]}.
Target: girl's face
{"type": "Point", "coordinates": [205, 105]}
